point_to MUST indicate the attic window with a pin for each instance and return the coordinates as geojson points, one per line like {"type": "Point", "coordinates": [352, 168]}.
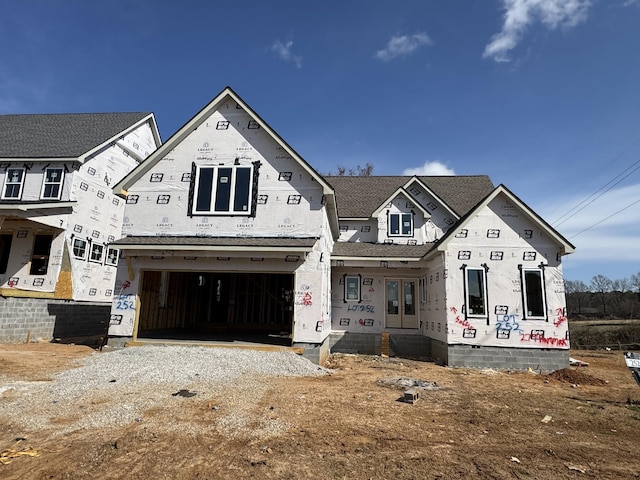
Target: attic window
{"type": "Point", "coordinates": [401, 224]}
{"type": "Point", "coordinates": [220, 190]}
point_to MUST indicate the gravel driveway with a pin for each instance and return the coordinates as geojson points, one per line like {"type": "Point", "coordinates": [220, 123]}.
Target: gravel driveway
{"type": "Point", "coordinates": [116, 388]}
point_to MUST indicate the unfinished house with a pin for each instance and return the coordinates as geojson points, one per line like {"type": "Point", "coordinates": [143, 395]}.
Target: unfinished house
{"type": "Point", "coordinates": [229, 234]}
{"type": "Point", "coordinates": [58, 216]}
{"type": "Point", "coordinates": [449, 268]}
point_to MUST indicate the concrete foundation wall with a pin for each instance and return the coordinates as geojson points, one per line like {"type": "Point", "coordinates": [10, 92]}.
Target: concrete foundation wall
{"type": "Point", "coordinates": [371, 344]}
{"type": "Point", "coordinates": [48, 319]}
{"type": "Point", "coordinates": [545, 360]}
{"type": "Point", "coordinates": [316, 353]}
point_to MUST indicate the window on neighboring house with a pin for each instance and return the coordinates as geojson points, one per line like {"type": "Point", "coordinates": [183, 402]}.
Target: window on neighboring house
{"type": "Point", "coordinates": [112, 257]}
{"type": "Point", "coordinates": [221, 190]}
{"type": "Point", "coordinates": [52, 184]}
{"type": "Point", "coordinates": [401, 224]}
{"type": "Point", "coordinates": [352, 289]}
{"type": "Point", "coordinates": [79, 248]}
{"type": "Point", "coordinates": [476, 292]}
{"type": "Point", "coordinates": [5, 248]}
{"type": "Point", "coordinates": [13, 183]}
{"type": "Point", "coordinates": [533, 293]}
{"type": "Point", "coordinates": [97, 251]}
{"type": "Point", "coordinates": [40, 254]}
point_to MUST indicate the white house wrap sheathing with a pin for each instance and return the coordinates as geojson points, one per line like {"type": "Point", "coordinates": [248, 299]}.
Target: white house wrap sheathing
{"type": "Point", "coordinates": [289, 203]}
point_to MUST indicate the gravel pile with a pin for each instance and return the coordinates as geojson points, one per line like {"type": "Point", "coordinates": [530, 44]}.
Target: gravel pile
{"type": "Point", "coordinates": [117, 388]}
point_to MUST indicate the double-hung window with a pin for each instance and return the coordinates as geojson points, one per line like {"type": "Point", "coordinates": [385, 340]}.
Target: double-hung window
{"type": "Point", "coordinates": [401, 224]}
{"type": "Point", "coordinates": [52, 184]}
{"type": "Point", "coordinates": [533, 293]}
{"type": "Point", "coordinates": [222, 190]}
{"type": "Point", "coordinates": [476, 292]}
{"type": "Point", "coordinates": [13, 183]}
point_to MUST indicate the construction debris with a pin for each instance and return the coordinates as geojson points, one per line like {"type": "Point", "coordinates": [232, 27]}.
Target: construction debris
{"type": "Point", "coordinates": [17, 450]}
{"type": "Point", "coordinates": [633, 362]}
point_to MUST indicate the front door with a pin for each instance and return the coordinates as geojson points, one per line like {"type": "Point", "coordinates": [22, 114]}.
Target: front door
{"type": "Point", "coordinates": [402, 311]}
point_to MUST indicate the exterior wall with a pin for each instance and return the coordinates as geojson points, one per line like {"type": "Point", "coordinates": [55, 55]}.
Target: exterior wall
{"type": "Point", "coordinates": [34, 178]}
{"type": "Point", "coordinates": [401, 204]}
{"type": "Point", "coordinates": [440, 218]}
{"type": "Point", "coordinates": [367, 316]}
{"type": "Point", "coordinates": [17, 276]}
{"type": "Point", "coordinates": [47, 319]}
{"type": "Point", "coordinates": [359, 231]}
{"type": "Point", "coordinates": [434, 316]}
{"type": "Point", "coordinates": [501, 238]}
{"type": "Point", "coordinates": [290, 200]}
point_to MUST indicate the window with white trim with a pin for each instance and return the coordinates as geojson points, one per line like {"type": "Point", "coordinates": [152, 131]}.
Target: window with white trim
{"type": "Point", "coordinates": [223, 190]}
{"type": "Point", "coordinates": [533, 293]}
{"type": "Point", "coordinates": [475, 284]}
{"type": "Point", "coordinates": [401, 224]}
{"type": "Point", "coordinates": [13, 183]}
{"type": "Point", "coordinates": [97, 252]}
{"type": "Point", "coordinates": [112, 257]}
{"type": "Point", "coordinates": [352, 288]}
{"type": "Point", "coordinates": [79, 248]}
{"type": "Point", "coordinates": [52, 184]}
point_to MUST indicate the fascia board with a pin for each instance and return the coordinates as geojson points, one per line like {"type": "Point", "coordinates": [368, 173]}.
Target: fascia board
{"type": "Point", "coordinates": [126, 131]}
{"type": "Point", "coordinates": [39, 159]}
{"type": "Point", "coordinates": [378, 259]}
{"type": "Point", "coordinates": [205, 248]}
{"type": "Point", "coordinates": [351, 219]}
{"type": "Point", "coordinates": [432, 193]}
{"type": "Point", "coordinates": [36, 206]}
{"type": "Point", "coordinates": [526, 210]}
{"type": "Point", "coordinates": [393, 196]}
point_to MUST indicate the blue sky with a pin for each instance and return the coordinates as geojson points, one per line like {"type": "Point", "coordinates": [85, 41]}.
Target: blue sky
{"type": "Point", "coordinates": [541, 95]}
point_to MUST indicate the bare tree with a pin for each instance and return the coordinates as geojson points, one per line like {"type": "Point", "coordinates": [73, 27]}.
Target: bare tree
{"type": "Point", "coordinates": [577, 293]}
{"type": "Point", "coordinates": [360, 171]}
{"type": "Point", "coordinates": [601, 285]}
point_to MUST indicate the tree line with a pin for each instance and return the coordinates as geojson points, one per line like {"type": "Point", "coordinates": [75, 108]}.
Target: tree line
{"type": "Point", "coordinates": [603, 297]}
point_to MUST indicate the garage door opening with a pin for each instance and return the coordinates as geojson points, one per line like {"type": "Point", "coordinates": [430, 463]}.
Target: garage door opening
{"type": "Point", "coordinates": [217, 306]}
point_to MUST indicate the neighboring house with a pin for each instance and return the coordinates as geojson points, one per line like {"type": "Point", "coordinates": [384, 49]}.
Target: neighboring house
{"type": "Point", "coordinates": [228, 230]}
{"type": "Point", "coordinates": [58, 215]}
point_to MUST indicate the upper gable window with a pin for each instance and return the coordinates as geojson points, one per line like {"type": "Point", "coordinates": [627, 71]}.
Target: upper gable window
{"type": "Point", "coordinates": [13, 183]}
{"type": "Point", "coordinates": [401, 224]}
{"type": "Point", "coordinates": [52, 184]}
{"type": "Point", "coordinates": [220, 190]}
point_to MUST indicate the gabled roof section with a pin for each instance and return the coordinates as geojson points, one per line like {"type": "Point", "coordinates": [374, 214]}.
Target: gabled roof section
{"type": "Point", "coordinates": [360, 196]}
{"type": "Point", "coordinates": [195, 122]}
{"type": "Point", "coordinates": [393, 196]}
{"type": "Point", "coordinates": [64, 135]}
{"type": "Point", "coordinates": [567, 247]}
{"type": "Point", "coordinates": [433, 194]}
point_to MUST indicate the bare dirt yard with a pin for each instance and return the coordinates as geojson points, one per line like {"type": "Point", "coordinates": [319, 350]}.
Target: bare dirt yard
{"type": "Point", "coordinates": [350, 424]}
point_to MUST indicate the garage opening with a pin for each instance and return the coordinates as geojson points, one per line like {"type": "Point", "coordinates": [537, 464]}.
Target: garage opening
{"type": "Point", "coordinates": [217, 306]}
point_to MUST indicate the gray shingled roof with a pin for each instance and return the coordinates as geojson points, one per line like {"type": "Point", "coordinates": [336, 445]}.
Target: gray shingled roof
{"type": "Point", "coordinates": [360, 196]}
{"type": "Point", "coordinates": [60, 135]}
{"type": "Point", "coordinates": [168, 242]}
{"type": "Point", "coordinates": [361, 249]}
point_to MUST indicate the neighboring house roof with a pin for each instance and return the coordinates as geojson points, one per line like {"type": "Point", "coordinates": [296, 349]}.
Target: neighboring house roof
{"type": "Point", "coordinates": [380, 251]}
{"type": "Point", "coordinates": [201, 117]}
{"type": "Point", "coordinates": [360, 196]}
{"type": "Point", "coordinates": [566, 246]}
{"type": "Point", "coordinates": [215, 243]}
{"type": "Point", "coordinates": [61, 135]}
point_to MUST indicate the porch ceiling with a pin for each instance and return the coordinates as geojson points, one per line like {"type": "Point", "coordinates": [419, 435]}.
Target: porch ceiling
{"type": "Point", "coordinates": [240, 244]}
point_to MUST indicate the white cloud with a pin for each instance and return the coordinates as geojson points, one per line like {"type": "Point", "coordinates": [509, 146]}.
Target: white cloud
{"type": "Point", "coordinates": [283, 50]}
{"type": "Point", "coordinates": [403, 45]}
{"type": "Point", "coordinates": [520, 14]}
{"type": "Point", "coordinates": [429, 168]}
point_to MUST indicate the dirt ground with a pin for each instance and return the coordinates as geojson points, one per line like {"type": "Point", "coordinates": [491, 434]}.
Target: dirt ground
{"type": "Point", "coordinates": [580, 423]}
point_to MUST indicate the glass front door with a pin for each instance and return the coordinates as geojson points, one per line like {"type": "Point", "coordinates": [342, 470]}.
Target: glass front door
{"type": "Point", "coordinates": [402, 311]}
